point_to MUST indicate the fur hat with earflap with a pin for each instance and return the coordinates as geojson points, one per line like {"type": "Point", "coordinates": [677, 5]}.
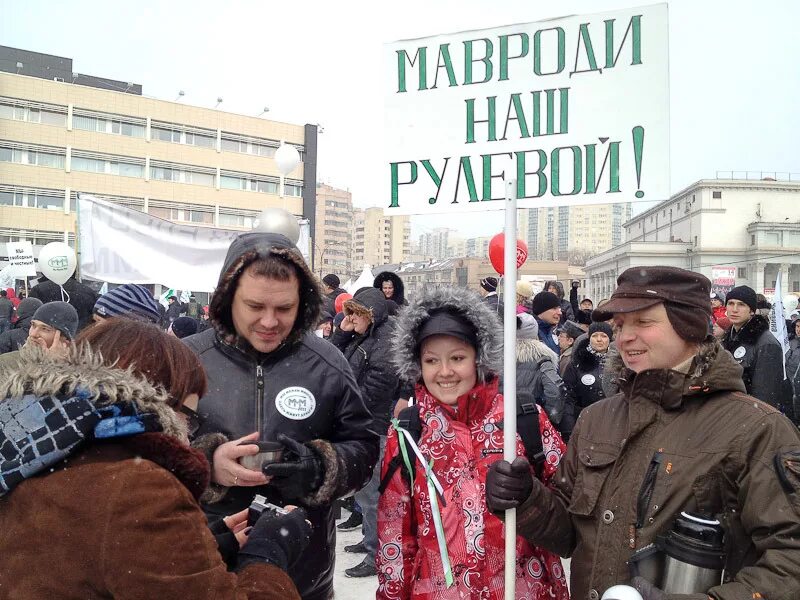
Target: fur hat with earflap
{"type": "Point", "coordinates": [451, 311]}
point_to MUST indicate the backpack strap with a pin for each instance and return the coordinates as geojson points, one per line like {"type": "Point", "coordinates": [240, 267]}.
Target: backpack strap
{"type": "Point", "coordinates": [528, 430]}
{"type": "Point", "coordinates": [409, 420]}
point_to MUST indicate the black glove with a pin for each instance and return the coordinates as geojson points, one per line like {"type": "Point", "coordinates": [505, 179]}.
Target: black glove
{"type": "Point", "coordinates": [651, 592]}
{"type": "Point", "coordinates": [226, 541]}
{"type": "Point", "coordinates": [576, 284]}
{"type": "Point", "coordinates": [299, 474]}
{"type": "Point", "coordinates": [276, 539]}
{"type": "Point", "coordinates": [508, 485]}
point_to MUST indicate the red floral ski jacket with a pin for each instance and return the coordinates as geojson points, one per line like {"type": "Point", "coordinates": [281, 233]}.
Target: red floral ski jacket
{"type": "Point", "coordinates": [462, 441]}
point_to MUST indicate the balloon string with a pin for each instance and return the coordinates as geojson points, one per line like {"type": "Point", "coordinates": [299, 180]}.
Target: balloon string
{"type": "Point", "coordinates": [64, 293]}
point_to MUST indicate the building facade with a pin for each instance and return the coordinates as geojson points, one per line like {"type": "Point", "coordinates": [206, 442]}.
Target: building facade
{"type": "Point", "coordinates": [378, 239]}
{"type": "Point", "coordinates": [182, 163]}
{"type": "Point", "coordinates": [333, 239]}
{"type": "Point", "coordinates": [752, 225]}
{"type": "Point", "coordinates": [573, 232]}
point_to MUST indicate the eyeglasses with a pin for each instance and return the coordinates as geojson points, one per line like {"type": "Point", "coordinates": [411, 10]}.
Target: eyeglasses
{"type": "Point", "coordinates": [193, 420]}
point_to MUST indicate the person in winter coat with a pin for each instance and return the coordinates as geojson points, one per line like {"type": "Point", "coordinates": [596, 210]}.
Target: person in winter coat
{"type": "Point", "coordinates": [448, 343]}
{"type": "Point", "coordinates": [364, 339]}
{"type": "Point", "coordinates": [567, 333]}
{"type": "Point", "coordinates": [792, 359]}
{"type": "Point", "coordinates": [331, 290]}
{"type": "Point", "coordinates": [755, 348]}
{"type": "Point", "coordinates": [718, 310]}
{"type": "Point", "coordinates": [6, 311]}
{"type": "Point", "coordinates": [80, 295]}
{"type": "Point", "coordinates": [546, 307]}
{"type": "Point", "coordinates": [175, 309]}
{"type": "Point", "coordinates": [392, 287]}
{"type": "Point", "coordinates": [106, 506]}
{"type": "Point", "coordinates": [271, 378]}
{"type": "Point", "coordinates": [682, 435]}
{"type": "Point", "coordinates": [583, 376]}
{"type": "Point", "coordinates": [537, 374]}
{"type": "Point", "coordinates": [14, 339]}
{"type": "Point", "coordinates": [557, 288]}
{"type": "Point", "coordinates": [489, 293]}
{"type": "Point", "coordinates": [132, 301]}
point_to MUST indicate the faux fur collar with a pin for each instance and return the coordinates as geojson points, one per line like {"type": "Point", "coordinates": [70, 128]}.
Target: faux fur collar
{"type": "Point", "coordinates": [748, 334]}
{"type": "Point", "coordinates": [42, 374]}
{"type": "Point", "coordinates": [583, 358]}
{"type": "Point", "coordinates": [462, 301]}
{"type": "Point", "coordinates": [533, 351]}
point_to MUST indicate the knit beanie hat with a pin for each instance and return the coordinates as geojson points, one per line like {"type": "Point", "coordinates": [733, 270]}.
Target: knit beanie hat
{"type": "Point", "coordinates": [184, 327]}
{"type": "Point", "coordinates": [27, 308]}
{"type": "Point", "coordinates": [544, 301]}
{"type": "Point", "coordinates": [331, 280]}
{"type": "Point", "coordinates": [130, 300]}
{"type": "Point", "coordinates": [58, 315]}
{"type": "Point", "coordinates": [489, 284]}
{"type": "Point", "coordinates": [744, 294]}
{"type": "Point", "coordinates": [527, 328]}
{"type": "Point", "coordinates": [601, 327]}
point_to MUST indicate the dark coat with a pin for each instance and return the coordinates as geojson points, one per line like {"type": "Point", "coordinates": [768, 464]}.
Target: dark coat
{"type": "Point", "coordinates": [399, 289]}
{"type": "Point", "coordinates": [546, 335]}
{"type": "Point", "coordinates": [793, 373]}
{"type": "Point", "coordinates": [117, 518]}
{"type": "Point", "coordinates": [538, 379]}
{"type": "Point", "coordinates": [6, 308]}
{"type": "Point", "coordinates": [713, 448]}
{"type": "Point", "coordinates": [583, 377]}
{"type": "Point", "coordinates": [304, 389]}
{"type": "Point", "coordinates": [81, 297]}
{"type": "Point", "coordinates": [329, 301]}
{"type": "Point", "coordinates": [493, 300]}
{"type": "Point", "coordinates": [15, 338]}
{"type": "Point", "coordinates": [369, 358]}
{"type": "Point", "coordinates": [761, 356]}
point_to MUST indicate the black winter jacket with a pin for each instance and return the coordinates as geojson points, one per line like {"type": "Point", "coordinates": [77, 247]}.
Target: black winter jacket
{"type": "Point", "coordinates": [793, 373]}
{"type": "Point", "coordinates": [304, 389]}
{"type": "Point", "coordinates": [15, 338]}
{"type": "Point", "coordinates": [583, 378]}
{"type": "Point", "coordinates": [81, 297]}
{"type": "Point", "coordinates": [760, 354]}
{"type": "Point", "coordinates": [369, 358]}
{"type": "Point", "coordinates": [329, 301]}
{"type": "Point", "coordinates": [399, 289]}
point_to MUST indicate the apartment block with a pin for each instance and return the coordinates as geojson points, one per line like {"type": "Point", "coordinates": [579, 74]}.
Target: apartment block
{"type": "Point", "coordinates": [333, 239]}
{"type": "Point", "coordinates": [378, 239]}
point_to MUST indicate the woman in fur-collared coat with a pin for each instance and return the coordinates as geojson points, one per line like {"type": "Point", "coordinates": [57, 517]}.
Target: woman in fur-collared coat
{"type": "Point", "coordinates": [99, 488]}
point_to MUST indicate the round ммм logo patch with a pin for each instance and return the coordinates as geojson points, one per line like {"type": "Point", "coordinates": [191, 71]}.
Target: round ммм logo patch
{"type": "Point", "coordinates": [295, 403]}
{"type": "Point", "coordinates": [739, 352]}
{"type": "Point", "coordinates": [588, 379]}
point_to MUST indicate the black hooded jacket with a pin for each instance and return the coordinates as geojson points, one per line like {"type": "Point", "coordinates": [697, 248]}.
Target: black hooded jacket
{"type": "Point", "coordinates": [583, 377]}
{"type": "Point", "coordinates": [369, 357]}
{"type": "Point", "coordinates": [761, 356]}
{"type": "Point", "coordinates": [304, 389]}
{"type": "Point", "coordinates": [81, 297]}
{"type": "Point", "coordinates": [399, 295]}
{"type": "Point", "coordinates": [14, 338]}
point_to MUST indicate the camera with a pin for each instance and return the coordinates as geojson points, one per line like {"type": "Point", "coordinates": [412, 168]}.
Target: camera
{"type": "Point", "coordinates": [259, 506]}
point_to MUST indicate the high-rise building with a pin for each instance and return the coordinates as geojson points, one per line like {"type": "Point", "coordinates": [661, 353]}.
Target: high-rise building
{"type": "Point", "coordinates": [435, 244]}
{"type": "Point", "coordinates": [62, 133]}
{"type": "Point", "coordinates": [333, 239]}
{"type": "Point", "coordinates": [574, 232]}
{"type": "Point", "coordinates": [378, 239]}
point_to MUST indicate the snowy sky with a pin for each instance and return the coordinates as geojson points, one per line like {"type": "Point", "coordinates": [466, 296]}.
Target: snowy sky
{"type": "Point", "coordinates": [733, 69]}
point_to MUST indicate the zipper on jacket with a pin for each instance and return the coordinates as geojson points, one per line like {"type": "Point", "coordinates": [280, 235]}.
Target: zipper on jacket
{"type": "Point", "coordinates": [646, 491]}
{"type": "Point", "coordinates": [259, 398]}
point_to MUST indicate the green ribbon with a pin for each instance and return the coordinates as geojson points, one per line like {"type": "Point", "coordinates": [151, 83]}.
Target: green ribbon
{"type": "Point", "coordinates": [401, 438]}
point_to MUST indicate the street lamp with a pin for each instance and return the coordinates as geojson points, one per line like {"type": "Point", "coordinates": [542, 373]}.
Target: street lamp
{"type": "Point", "coordinates": [181, 94]}
{"type": "Point", "coordinates": [219, 101]}
{"type": "Point", "coordinates": [266, 110]}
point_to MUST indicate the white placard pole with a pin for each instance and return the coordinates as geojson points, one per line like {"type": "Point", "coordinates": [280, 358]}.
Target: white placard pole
{"type": "Point", "coordinates": [510, 373]}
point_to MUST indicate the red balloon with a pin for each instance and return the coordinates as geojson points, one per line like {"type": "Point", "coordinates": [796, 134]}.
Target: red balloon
{"type": "Point", "coordinates": [340, 300]}
{"type": "Point", "coordinates": [497, 248]}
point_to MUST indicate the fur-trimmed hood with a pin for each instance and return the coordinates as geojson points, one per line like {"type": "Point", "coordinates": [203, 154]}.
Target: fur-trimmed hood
{"type": "Point", "coordinates": [533, 351]}
{"type": "Point", "coordinates": [461, 301]}
{"type": "Point", "coordinates": [81, 371]}
{"type": "Point", "coordinates": [583, 358]}
{"type": "Point", "coordinates": [748, 334]}
{"type": "Point", "coordinates": [245, 250]}
{"type": "Point", "coordinates": [399, 296]}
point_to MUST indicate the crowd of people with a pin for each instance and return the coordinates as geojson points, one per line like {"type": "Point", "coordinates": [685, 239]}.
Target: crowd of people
{"type": "Point", "coordinates": [129, 429]}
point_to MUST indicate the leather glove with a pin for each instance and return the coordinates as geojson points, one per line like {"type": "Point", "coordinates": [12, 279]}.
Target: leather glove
{"type": "Point", "coordinates": [509, 485]}
{"type": "Point", "coordinates": [299, 474]}
{"type": "Point", "coordinates": [276, 539]}
{"type": "Point", "coordinates": [651, 592]}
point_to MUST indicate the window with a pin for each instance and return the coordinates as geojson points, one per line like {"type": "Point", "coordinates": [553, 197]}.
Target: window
{"type": "Point", "coordinates": [753, 239]}
{"type": "Point", "coordinates": [179, 134]}
{"type": "Point", "coordinates": [33, 114]}
{"type": "Point", "coordinates": [107, 166]}
{"type": "Point", "coordinates": [23, 156]}
{"type": "Point", "coordinates": [716, 195]}
{"type": "Point", "coordinates": [107, 124]}
{"type": "Point", "coordinates": [10, 198]}
{"type": "Point", "coordinates": [235, 220]}
{"type": "Point", "coordinates": [181, 174]}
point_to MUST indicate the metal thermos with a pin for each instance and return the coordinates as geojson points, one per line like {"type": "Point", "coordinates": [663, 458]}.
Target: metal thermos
{"type": "Point", "coordinates": [694, 555]}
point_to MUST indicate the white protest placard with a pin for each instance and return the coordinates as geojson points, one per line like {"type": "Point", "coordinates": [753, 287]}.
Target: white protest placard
{"type": "Point", "coordinates": [20, 259]}
{"type": "Point", "coordinates": [123, 245]}
{"type": "Point", "coordinates": [576, 109]}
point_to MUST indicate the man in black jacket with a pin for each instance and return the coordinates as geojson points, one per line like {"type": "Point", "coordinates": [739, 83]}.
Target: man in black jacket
{"type": "Point", "coordinates": [80, 296]}
{"type": "Point", "coordinates": [364, 339]}
{"type": "Point", "coordinates": [15, 338]}
{"type": "Point", "coordinates": [331, 290]}
{"type": "Point", "coordinates": [269, 374]}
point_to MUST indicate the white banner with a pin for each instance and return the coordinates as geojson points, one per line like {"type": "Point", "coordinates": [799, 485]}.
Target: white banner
{"type": "Point", "coordinates": [778, 321]}
{"type": "Point", "coordinates": [576, 109]}
{"type": "Point", "coordinates": [123, 245]}
{"type": "Point", "coordinates": [20, 259]}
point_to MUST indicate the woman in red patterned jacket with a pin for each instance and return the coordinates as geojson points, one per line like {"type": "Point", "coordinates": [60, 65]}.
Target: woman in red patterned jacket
{"type": "Point", "coordinates": [437, 538]}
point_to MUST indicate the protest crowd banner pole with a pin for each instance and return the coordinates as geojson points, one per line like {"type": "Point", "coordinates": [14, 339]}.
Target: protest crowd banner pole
{"type": "Point", "coordinates": [510, 373]}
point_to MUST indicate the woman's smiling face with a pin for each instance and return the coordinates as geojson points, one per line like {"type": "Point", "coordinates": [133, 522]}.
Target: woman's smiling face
{"type": "Point", "coordinates": [448, 367]}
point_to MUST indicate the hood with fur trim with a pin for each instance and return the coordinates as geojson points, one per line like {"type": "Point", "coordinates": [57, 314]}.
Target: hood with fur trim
{"type": "Point", "coordinates": [371, 301]}
{"type": "Point", "coordinates": [533, 351]}
{"type": "Point", "coordinates": [461, 301]}
{"type": "Point", "coordinates": [245, 250]}
{"type": "Point", "coordinates": [399, 289]}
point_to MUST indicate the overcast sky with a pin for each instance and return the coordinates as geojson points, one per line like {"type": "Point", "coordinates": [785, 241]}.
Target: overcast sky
{"type": "Point", "coordinates": [734, 75]}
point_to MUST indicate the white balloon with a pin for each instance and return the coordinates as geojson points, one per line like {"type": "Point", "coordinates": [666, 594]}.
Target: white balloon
{"type": "Point", "coordinates": [277, 220]}
{"type": "Point", "coordinates": [57, 262]}
{"type": "Point", "coordinates": [287, 158]}
{"type": "Point", "coordinates": [621, 592]}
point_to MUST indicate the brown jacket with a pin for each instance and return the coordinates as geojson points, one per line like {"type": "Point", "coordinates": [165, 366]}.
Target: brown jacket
{"type": "Point", "coordinates": [117, 518]}
{"type": "Point", "coordinates": [718, 451]}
